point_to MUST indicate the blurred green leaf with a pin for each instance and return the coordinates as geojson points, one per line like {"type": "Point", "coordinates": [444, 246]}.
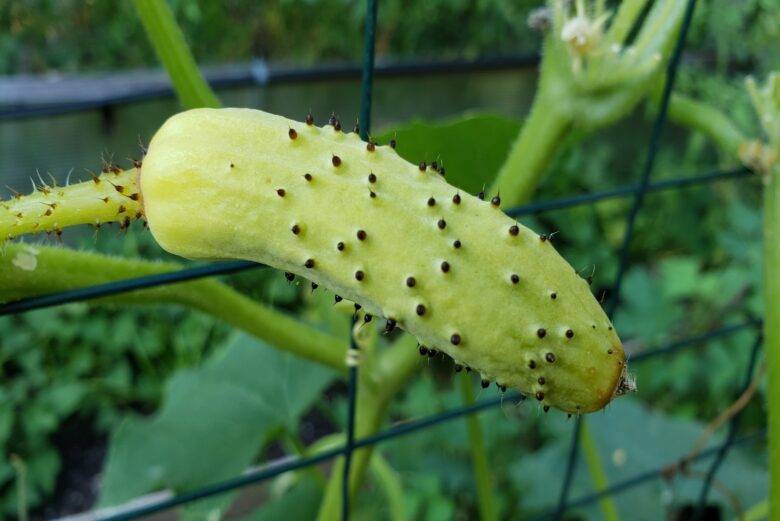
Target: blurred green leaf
{"type": "Point", "coordinates": [301, 502]}
{"type": "Point", "coordinates": [642, 297]}
{"type": "Point", "coordinates": [679, 277]}
{"type": "Point", "coordinates": [38, 420]}
{"type": "Point", "coordinates": [63, 397]}
{"type": "Point", "coordinates": [632, 439]}
{"type": "Point", "coordinates": [213, 421]}
{"type": "Point", "coordinates": [471, 148]}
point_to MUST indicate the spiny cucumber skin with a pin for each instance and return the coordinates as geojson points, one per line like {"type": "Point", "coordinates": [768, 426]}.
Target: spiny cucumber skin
{"type": "Point", "coordinates": [110, 197]}
{"type": "Point", "coordinates": [230, 183]}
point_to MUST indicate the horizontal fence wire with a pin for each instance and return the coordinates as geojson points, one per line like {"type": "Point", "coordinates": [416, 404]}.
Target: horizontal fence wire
{"type": "Point", "coordinates": [275, 470]}
{"type": "Point", "coordinates": [402, 429]}
{"type": "Point", "coordinates": [272, 471]}
{"type": "Point", "coordinates": [650, 475]}
{"type": "Point", "coordinates": [226, 268]}
{"type": "Point", "coordinates": [258, 73]}
{"type": "Point", "coordinates": [123, 286]}
{"type": "Point", "coordinates": [627, 191]}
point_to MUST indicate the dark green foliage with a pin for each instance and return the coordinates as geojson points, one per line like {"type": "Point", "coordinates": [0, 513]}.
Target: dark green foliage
{"type": "Point", "coordinates": [68, 36]}
{"type": "Point", "coordinates": [86, 363]}
{"type": "Point", "coordinates": [50, 35]}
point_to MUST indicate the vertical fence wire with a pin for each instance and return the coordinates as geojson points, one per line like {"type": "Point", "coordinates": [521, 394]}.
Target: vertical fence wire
{"type": "Point", "coordinates": [364, 126]}
{"type": "Point", "coordinates": [367, 81]}
{"type": "Point", "coordinates": [647, 168]}
{"type": "Point", "coordinates": [732, 432]}
{"type": "Point", "coordinates": [349, 445]}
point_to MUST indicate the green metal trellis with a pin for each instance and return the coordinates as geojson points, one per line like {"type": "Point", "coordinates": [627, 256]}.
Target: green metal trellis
{"type": "Point", "coordinates": [638, 192]}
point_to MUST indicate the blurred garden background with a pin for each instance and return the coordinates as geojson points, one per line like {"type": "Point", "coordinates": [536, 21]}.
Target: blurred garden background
{"type": "Point", "coordinates": [71, 375]}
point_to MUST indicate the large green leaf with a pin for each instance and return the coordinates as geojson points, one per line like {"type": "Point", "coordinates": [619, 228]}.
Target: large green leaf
{"type": "Point", "coordinates": [631, 440]}
{"type": "Point", "coordinates": [300, 502]}
{"type": "Point", "coordinates": [471, 148]}
{"type": "Point", "coordinates": [643, 296]}
{"type": "Point", "coordinates": [213, 421]}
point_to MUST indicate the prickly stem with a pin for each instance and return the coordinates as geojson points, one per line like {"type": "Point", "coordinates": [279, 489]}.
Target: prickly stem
{"type": "Point", "coordinates": [110, 197]}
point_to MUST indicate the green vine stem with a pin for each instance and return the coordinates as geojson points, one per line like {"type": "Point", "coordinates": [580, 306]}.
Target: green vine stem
{"type": "Point", "coordinates": [711, 122]}
{"type": "Point", "coordinates": [33, 270]}
{"type": "Point", "coordinates": [588, 80]}
{"type": "Point", "coordinates": [479, 460]}
{"type": "Point", "coordinates": [114, 196]}
{"type": "Point", "coordinates": [369, 417]}
{"type": "Point", "coordinates": [175, 55]}
{"type": "Point", "coordinates": [766, 101]}
{"type": "Point", "coordinates": [523, 169]}
{"type": "Point", "coordinates": [21, 486]}
{"type": "Point", "coordinates": [387, 479]}
{"type": "Point", "coordinates": [758, 512]}
{"type": "Point", "coordinates": [394, 367]}
{"type": "Point", "coordinates": [391, 371]}
{"type": "Point", "coordinates": [383, 474]}
{"type": "Point", "coordinates": [597, 474]}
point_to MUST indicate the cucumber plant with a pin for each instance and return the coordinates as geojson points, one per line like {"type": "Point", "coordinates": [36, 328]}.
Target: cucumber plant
{"type": "Point", "coordinates": [448, 267]}
{"type": "Point", "coordinates": [399, 240]}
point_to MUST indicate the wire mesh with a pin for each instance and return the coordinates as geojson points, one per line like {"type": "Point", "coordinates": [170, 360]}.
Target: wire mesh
{"type": "Point", "coordinates": [639, 197]}
{"type": "Point", "coordinates": [638, 192]}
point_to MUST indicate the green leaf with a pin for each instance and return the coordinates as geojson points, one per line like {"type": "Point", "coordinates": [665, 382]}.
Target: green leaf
{"type": "Point", "coordinates": [471, 148]}
{"type": "Point", "coordinates": [38, 420]}
{"type": "Point", "coordinates": [213, 421]}
{"type": "Point", "coordinates": [301, 502]}
{"type": "Point", "coordinates": [642, 298]}
{"type": "Point", "coordinates": [632, 439]}
{"type": "Point", "coordinates": [63, 397]}
{"type": "Point", "coordinates": [679, 277]}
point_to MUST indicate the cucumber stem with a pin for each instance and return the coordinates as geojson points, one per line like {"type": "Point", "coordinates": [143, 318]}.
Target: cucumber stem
{"type": "Point", "coordinates": [34, 270]}
{"type": "Point", "coordinates": [113, 196]}
{"type": "Point", "coordinates": [530, 154]}
{"type": "Point", "coordinates": [597, 474]}
{"type": "Point", "coordinates": [715, 125]}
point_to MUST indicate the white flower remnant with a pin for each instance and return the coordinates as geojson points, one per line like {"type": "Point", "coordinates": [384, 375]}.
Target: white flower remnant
{"type": "Point", "coordinates": [580, 34]}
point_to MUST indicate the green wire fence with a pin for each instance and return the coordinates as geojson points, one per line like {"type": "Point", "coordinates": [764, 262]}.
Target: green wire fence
{"type": "Point", "coordinates": [637, 192]}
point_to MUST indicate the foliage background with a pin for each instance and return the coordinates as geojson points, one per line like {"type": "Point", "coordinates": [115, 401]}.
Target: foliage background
{"type": "Point", "coordinates": [696, 258]}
